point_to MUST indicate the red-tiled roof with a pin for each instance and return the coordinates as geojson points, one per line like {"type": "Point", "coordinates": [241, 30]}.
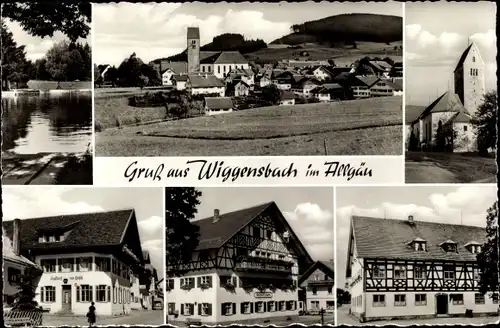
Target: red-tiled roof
{"type": "Point", "coordinates": [388, 238]}
{"type": "Point", "coordinates": [218, 102]}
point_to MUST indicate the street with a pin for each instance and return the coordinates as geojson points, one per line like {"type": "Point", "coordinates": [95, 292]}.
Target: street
{"type": "Point", "coordinates": [135, 318]}
{"type": "Point", "coordinates": [344, 318]}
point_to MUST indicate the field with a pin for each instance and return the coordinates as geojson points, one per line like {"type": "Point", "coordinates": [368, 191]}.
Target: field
{"type": "Point", "coordinates": [359, 127]}
{"type": "Point", "coordinates": [424, 167]}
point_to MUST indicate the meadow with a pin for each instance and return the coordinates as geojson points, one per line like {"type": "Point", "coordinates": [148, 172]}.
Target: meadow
{"type": "Point", "coordinates": [357, 127]}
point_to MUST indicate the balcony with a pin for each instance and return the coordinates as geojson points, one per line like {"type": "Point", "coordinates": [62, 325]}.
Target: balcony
{"type": "Point", "coordinates": [327, 282]}
{"type": "Point", "coordinates": [260, 264]}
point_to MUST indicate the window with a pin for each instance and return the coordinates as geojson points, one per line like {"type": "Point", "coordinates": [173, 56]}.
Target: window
{"type": "Point", "coordinates": [48, 294]}
{"type": "Point", "coordinates": [205, 309]}
{"type": "Point", "coordinates": [315, 291]}
{"type": "Point", "coordinates": [84, 264]}
{"type": "Point", "coordinates": [330, 290]}
{"type": "Point", "coordinates": [246, 308]}
{"type": "Point", "coordinates": [49, 265]}
{"type": "Point", "coordinates": [378, 300]}
{"type": "Point", "coordinates": [269, 234]}
{"type": "Point", "coordinates": [14, 275]}
{"type": "Point", "coordinates": [457, 299]}
{"type": "Point", "coordinates": [259, 307]}
{"type": "Point", "coordinates": [281, 306]}
{"type": "Point", "coordinates": [187, 309]}
{"type": "Point", "coordinates": [187, 282]}
{"type": "Point", "coordinates": [256, 232]}
{"type": "Point", "coordinates": [479, 298]}
{"type": "Point", "coordinates": [494, 298]}
{"type": "Point", "coordinates": [271, 306]}
{"type": "Point", "coordinates": [419, 246]}
{"type": "Point", "coordinates": [378, 271]}
{"type": "Point", "coordinates": [419, 272]}
{"type": "Point", "coordinates": [400, 300]}
{"type": "Point", "coordinates": [449, 272]}
{"type": "Point", "coordinates": [420, 299]}
{"type": "Point", "coordinates": [205, 282]}
{"type": "Point", "coordinates": [84, 293]}
{"type": "Point", "coordinates": [465, 130]}
{"type": "Point", "coordinates": [477, 274]}
{"type": "Point", "coordinates": [171, 308]}
{"type": "Point", "coordinates": [209, 69]}
{"type": "Point", "coordinates": [399, 272]}
{"type": "Point", "coordinates": [473, 59]}
{"type": "Point", "coordinates": [218, 69]}
{"type": "Point", "coordinates": [228, 308]}
{"type": "Point", "coordinates": [315, 305]}
{"type": "Point", "coordinates": [102, 264]}
{"type": "Point", "coordinates": [102, 293]}
{"type": "Point", "coordinates": [66, 265]}
{"type": "Point", "coordinates": [203, 69]}
{"type": "Point", "coordinates": [289, 305]}
{"type": "Point", "coordinates": [170, 284]}
{"type": "Point", "coordinates": [115, 296]}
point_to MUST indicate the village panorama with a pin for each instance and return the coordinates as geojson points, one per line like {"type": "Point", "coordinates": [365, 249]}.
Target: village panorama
{"type": "Point", "coordinates": [315, 91]}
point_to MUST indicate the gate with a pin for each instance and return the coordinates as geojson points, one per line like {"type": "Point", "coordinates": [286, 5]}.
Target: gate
{"type": "Point", "coordinates": [26, 318]}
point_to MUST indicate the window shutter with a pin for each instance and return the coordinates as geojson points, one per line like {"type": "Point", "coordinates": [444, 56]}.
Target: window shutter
{"type": "Point", "coordinates": [295, 305]}
{"type": "Point", "coordinates": [78, 293]}
{"type": "Point", "coordinates": [210, 281]}
{"type": "Point", "coordinates": [91, 293]}
{"type": "Point", "coordinates": [234, 308]}
{"type": "Point", "coordinates": [209, 310]}
{"type": "Point", "coordinates": [264, 306]}
{"type": "Point", "coordinates": [242, 310]}
{"type": "Point", "coordinates": [222, 309]}
{"type": "Point", "coordinates": [251, 307]}
{"type": "Point", "coordinates": [182, 308]}
{"type": "Point", "coordinates": [199, 282]}
{"type": "Point", "coordinates": [42, 296]}
{"type": "Point", "coordinates": [108, 294]}
{"type": "Point", "coordinates": [199, 309]}
{"type": "Point", "coordinates": [173, 283]}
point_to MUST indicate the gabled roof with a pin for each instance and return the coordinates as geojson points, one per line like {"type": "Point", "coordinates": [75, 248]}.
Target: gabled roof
{"type": "Point", "coordinates": [396, 85]}
{"type": "Point", "coordinates": [181, 78]}
{"type": "Point", "coordinates": [231, 57]}
{"type": "Point", "coordinates": [218, 102]}
{"type": "Point", "coordinates": [447, 241]}
{"type": "Point", "coordinates": [327, 267]}
{"type": "Point", "coordinates": [193, 32]}
{"type": "Point", "coordinates": [9, 255]}
{"type": "Point", "coordinates": [459, 118]}
{"type": "Point", "coordinates": [367, 81]}
{"type": "Point", "coordinates": [87, 230]}
{"type": "Point", "coordinates": [447, 102]}
{"type": "Point", "coordinates": [388, 238]}
{"type": "Point", "coordinates": [176, 67]}
{"type": "Point", "coordinates": [205, 81]}
{"type": "Point", "coordinates": [463, 57]}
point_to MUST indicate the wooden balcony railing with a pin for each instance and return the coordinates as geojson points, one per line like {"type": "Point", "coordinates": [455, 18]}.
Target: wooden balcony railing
{"type": "Point", "coordinates": [327, 282]}
{"type": "Point", "coordinates": [249, 263]}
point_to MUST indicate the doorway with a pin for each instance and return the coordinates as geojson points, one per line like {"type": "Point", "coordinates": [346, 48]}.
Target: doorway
{"type": "Point", "coordinates": [442, 304]}
{"type": "Point", "coordinates": [66, 298]}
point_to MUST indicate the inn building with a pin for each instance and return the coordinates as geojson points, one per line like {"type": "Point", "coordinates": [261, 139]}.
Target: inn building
{"type": "Point", "coordinates": [92, 257]}
{"type": "Point", "coordinates": [412, 269]}
{"type": "Point", "coordinates": [244, 270]}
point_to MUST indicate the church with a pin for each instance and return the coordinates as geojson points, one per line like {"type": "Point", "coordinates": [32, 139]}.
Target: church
{"type": "Point", "coordinates": [449, 116]}
{"type": "Point", "coordinates": [403, 269]}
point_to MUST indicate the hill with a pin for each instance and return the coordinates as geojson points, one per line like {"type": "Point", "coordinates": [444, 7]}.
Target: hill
{"type": "Point", "coordinates": [346, 29]}
{"type": "Point", "coordinates": [412, 112]}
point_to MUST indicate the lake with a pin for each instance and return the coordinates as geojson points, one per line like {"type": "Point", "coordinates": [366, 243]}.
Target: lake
{"type": "Point", "coordinates": [47, 123]}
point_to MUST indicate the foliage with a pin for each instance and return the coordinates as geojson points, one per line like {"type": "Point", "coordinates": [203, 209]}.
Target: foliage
{"type": "Point", "coordinates": [24, 299]}
{"type": "Point", "coordinates": [487, 260]}
{"type": "Point", "coordinates": [69, 62]}
{"type": "Point", "coordinates": [43, 19]}
{"type": "Point", "coordinates": [413, 142]}
{"type": "Point", "coordinates": [343, 296]}
{"type": "Point", "coordinates": [271, 94]}
{"type": "Point", "coordinates": [440, 138]}
{"type": "Point", "coordinates": [132, 72]}
{"type": "Point", "coordinates": [485, 122]}
{"type": "Point", "coordinates": [14, 63]}
{"type": "Point", "coordinates": [182, 235]}
{"type": "Point", "coordinates": [76, 171]}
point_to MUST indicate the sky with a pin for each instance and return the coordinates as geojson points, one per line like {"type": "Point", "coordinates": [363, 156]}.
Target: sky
{"type": "Point", "coordinates": [436, 35]}
{"type": "Point", "coordinates": [156, 30]}
{"type": "Point", "coordinates": [37, 47]}
{"type": "Point", "coordinates": [24, 202]}
{"type": "Point", "coordinates": [453, 205]}
{"type": "Point", "coordinates": [308, 210]}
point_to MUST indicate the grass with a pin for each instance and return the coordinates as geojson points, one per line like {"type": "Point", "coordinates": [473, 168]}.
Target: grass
{"type": "Point", "coordinates": [360, 127]}
{"type": "Point", "coordinates": [427, 167]}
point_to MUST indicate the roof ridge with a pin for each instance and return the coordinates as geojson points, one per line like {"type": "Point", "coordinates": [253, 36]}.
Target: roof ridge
{"type": "Point", "coordinates": [415, 221]}
{"type": "Point", "coordinates": [72, 214]}
{"type": "Point", "coordinates": [242, 209]}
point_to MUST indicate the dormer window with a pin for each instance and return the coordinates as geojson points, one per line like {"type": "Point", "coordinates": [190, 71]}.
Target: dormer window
{"type": "Point", "coordinates": [51, 238]}
{"type": "Point", "coordinates": [449, 246]}
{"type": "Point", "coordinates": [419, 245]}
{"type": "Point", "coordinates": [474, 247]}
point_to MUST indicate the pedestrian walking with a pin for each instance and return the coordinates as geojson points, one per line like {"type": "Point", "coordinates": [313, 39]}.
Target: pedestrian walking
{"type": "Point", "coordinates": [91, 315]}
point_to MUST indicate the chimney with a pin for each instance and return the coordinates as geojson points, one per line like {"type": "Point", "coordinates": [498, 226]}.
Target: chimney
{"type": "Point", "coordinates": [410, 220]}
{"type": "Point", "coordinates": [216, 215]}
{"type": "Point", "coordinates": [16, 244]}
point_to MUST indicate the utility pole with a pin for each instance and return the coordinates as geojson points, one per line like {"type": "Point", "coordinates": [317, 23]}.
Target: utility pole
{"type": "Point", "coordinates": [322, 312]}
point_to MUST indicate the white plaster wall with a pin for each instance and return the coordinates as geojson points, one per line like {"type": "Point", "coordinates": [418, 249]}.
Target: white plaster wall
{"type": "Point", "coordinates": [210, 90]}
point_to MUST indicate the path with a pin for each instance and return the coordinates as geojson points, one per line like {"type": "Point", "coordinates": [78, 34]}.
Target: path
{"type": "Point", "coordinates": [135, 318]}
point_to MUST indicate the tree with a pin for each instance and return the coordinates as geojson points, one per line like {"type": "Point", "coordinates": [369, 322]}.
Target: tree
{"type": "Point", "coordinates": [14, 63]}
{"type": "Point", "coordinates": [43, 19]}
{"type": "Point", "coordinates": [129, 72]}
{"type": "Point", "coordinates": [271, 94]}
{"type": "Point", "coordinates": [413, 142]}
{"type": "Point", "coordinates": [440, 138]}
{"type": "Point", "coordinates": [343, 296]}
{"type": "Point", "coordinates": [485, 122]}
{"type": "Point", "coordinates": [182, 235]}
{"type": "Point", "coordinates": [487, 260]}
{"type": "Point", "coordinates": [24, 299]}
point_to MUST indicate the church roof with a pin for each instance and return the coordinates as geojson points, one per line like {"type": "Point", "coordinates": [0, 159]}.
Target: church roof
{"type": "Point", "coordinates": [459, 118]}
{"type": "Point", "coordinates": [463, 57]}
{"type": "Point", "coordinates": [447, 102]}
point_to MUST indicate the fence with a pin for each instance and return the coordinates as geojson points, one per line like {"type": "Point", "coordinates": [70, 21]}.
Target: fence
{"type": "Point", "coordinates": [30, 318]}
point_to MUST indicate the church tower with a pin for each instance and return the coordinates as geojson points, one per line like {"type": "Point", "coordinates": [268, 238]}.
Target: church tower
{"type": "Point", "coordinates": [469, 78]}
{"type": "Point", "coordinates": [193, 49]}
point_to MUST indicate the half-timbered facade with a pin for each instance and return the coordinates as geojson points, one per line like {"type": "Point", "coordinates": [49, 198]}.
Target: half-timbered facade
{"type": "Point", "coordinates": [407, 268]}
{"type": "Point", "coordinates": [319, 285]}
{"type": "Point", "coordinates": [245, 269]}
{"type": "Point", "coordinates": [92, 257]}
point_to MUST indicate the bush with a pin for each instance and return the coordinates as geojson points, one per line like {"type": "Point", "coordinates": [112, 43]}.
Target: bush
{"type": "Point", "coordinates": [149, 99]}
{"type": "Point", "coordinates": [98, 126]}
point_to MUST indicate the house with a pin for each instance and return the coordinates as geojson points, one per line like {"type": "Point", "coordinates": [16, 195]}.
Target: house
{"type": "Point", "coordinates": [262, 81]}
{"type": "Point", "coordinates": [180, 81]}
{"type": "Point", "coordinates": [205, 84]}
{"type": "Point", "coordinates": [221, 63]}
{"type": "Point", "coordinates": [397, 70]}
{"type": "Point", "coordinates": [329, 91]}
{"type": "Point", "coordinates": [321, 73]}
{"type": "Point", "coordinates": [169, 70]}
{"type": "Point", "coordinates": [386, 88]}
{"type": "Point", "coordinates": [319, 283]}
{"type": "Point", "coordinates": [244, 270]}
{"type": "Point", "coordinates": [303, 85]}
{"type": "Point", "coordinates": [15, 265]}
{"type": "Point", "coordinates": [244, 74]}
{"type": "Point", "coordinates": [80, 263]}
{"type": "Point", "coordinates": [287, 98]}
{"type": "Point", "coordinates": [321, 93]}
{"type": "Point", "coordinates": [360, 85]}
{"type": "Point", "coordinates": [414, 269]}
{"type": "Point", "coordinates": [282, 79]}
{"type": "Point", "coordinates": [218, 105]}
{"type": "Point", "coordinates": [241, 89]}
{"type": "Point", "coordinates": [148, 285]}
{"type": "Point", "coordinates": [368, 67]}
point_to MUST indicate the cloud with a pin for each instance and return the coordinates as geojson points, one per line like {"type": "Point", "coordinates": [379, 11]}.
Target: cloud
{"type": "Point", "coordinates": [412, 31]}
{"type": "Point", "coordinates": [486, 40]}
{"type": "Point", "coordinates": [314, 227]}
{"type": "Point", "coordinates": [156, 30]}
{"type": "Point", "coordinates": [151, 226]}
{"type": "Point", "coordinates": [37, 201]}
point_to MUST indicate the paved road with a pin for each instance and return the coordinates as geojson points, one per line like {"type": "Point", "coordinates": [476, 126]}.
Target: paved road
{"type": "Point", "coordinates": [135, 318]}
{"type": "Point", "coordinates": [344, 318]}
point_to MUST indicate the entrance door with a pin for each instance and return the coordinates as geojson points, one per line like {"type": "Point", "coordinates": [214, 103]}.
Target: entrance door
{"type": "Point", "coordinates": [66, 298]}
{"type": "Point", "coordinates": [442, 304]}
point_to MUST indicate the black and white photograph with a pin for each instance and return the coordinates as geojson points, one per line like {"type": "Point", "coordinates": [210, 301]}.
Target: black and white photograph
{"type": "Point", "coordinates": [81, 256]}
{"type": "Point", "coordinates": [46, 93]}
{"type": "Point", "coordinates": [451, 92]}
{"type": "Point", "coordinates": [263, 79]}
{"type": "Point", "coordinates": [265, 257]}
{"type": "Point", "coordinates": [415, 255]}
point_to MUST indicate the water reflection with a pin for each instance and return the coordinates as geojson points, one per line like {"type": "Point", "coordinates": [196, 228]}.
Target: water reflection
{"type": "Point", "coordinates": [47, 123]}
